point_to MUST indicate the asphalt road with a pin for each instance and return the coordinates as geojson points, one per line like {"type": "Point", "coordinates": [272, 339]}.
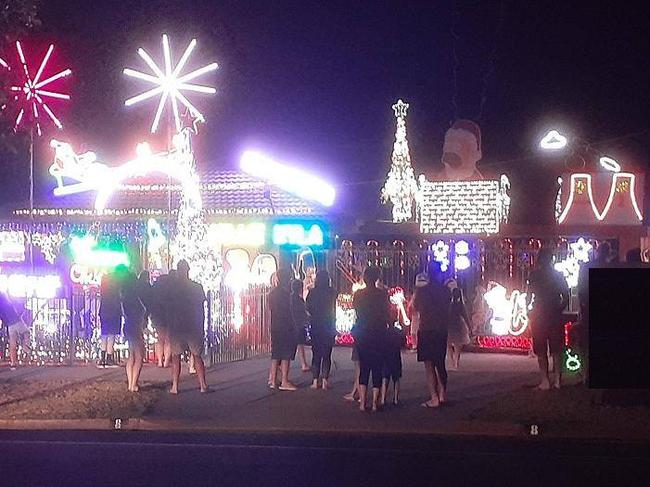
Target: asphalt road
{"type": "Point", "coordinates": [137, 458]}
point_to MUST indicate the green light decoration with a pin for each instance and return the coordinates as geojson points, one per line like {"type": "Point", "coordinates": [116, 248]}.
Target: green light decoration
{"type": "Point", "coordinates": [572, 363]}
{"type": "Point", "coordinates": [86, 251]}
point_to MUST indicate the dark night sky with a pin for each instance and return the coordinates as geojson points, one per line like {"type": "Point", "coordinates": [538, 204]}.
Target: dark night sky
{"type": "Point", "coordinates": [312, 82]}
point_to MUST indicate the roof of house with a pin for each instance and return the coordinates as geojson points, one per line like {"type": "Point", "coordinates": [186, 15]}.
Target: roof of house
{"type": "Point", "coordinates": [226, 193]}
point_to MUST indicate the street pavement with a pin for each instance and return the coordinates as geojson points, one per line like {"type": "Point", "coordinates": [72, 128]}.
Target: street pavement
{"type": "Point", "coordinates": [241, 400]}
{"type": "Point", "coordinates": [245, 434]}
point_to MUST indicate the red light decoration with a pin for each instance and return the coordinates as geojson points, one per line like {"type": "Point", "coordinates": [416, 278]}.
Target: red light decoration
{"type": "Point", "coordinates": [518, 342]}
{"type": "Point", "coordinates": [345, 339]}
{"type": "Point", "coordinates": [30, 92]}
{"type": "Point", "coordinates": [618, 194]}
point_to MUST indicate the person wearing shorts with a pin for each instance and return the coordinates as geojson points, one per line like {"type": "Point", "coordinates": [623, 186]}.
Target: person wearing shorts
{"type": "Point", "coordinates": [110, 316]}
{"type": "Point", "coordinates": [187, 316]}
{"type": "Point", "coordinates": [16, 327]}
{"type": "Point", "coordinates": [431, 301]}
{"type": "Point", "coordinates": [551, 295]}
{"type": "Point", "coordinates": [134, 314]}
{"type": "Point", "coordinates": [392, 366]}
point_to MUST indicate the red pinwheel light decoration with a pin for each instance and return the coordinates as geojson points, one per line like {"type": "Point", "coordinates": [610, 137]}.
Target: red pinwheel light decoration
{"type": "Point", "coordinates": [31, 93]}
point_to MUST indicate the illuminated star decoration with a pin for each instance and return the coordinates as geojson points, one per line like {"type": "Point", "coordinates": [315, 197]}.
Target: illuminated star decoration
{"type": "Point", "coordinates": [170, 84]}
{"type": "Point", "coordinates": [581, 249]}
{"type": "Point", "coordinates": [191, 121]}
{"type": "Point", "coordinates": [31, 93]}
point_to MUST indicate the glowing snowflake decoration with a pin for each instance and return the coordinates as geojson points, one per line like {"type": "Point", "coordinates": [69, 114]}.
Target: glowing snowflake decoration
{"type": "Point", "coordinates": [170, 84]}
{"type": "Point", "coordinates": [31, 92]}
{"type": "Point", "coordinates": [581, 249]}
{"type": "Point", "coordinates": [441, 254]}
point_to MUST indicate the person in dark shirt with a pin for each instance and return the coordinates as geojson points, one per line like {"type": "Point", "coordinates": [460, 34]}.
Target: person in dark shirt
{"type": "Point", "coordinates": [300, 321]}
{"type": "Point", "coordinates": [321, 305]}
{"type": "Point", "coordinates": [373, 311]}
{"type": "Point", "coordinates": [134, 313]}
{"type": "Point", "coordinates": [431, 302]}
{"type": "Point", "coordinates": [187, 316]}
{"type": "Point", "coordinates": [110, 315]}
{"type": "Point", "coordinates": [392, 365]}
{"type": "Point", "coordinates": [550, 297]}
{"type": "Point", "coordinates": [283, 338]}
{"type": "Point", "coordinates": [17, 329]}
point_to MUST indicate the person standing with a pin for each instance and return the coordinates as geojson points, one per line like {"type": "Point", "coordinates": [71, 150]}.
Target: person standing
{"type": "Point", "coordinates": [300, 320]}
{"type": "Point", "coordinates": [134, 315]}
{"type": "Point", "coordinates": [283, 338]}
{"type": "Point", "coordinates": [373, 311]}
{"type": "Point", "coordinates": [187, 301]}
{"type": "Point", "coordinates": [458, 327]}
{"type": "Point", "coordinates": [17, 329]}
{"type": "Point", "coordinates": [550, 297]}
{"type": "Point", "coordinates": [432, 303]}
{"type": "Point", "coordinates": [110, 316]}
{"type": "Point", "coordinates": [160, 318]}
{"type": "Point", "coordinates": [392, 366]}
{"type": "Point", "coordinates": [321, 305]}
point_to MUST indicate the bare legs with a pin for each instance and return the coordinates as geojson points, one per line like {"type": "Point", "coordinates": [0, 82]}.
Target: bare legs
{"type": "Point", "coordinates": [432, 385]}
{"type": "Point", "coordinates": [285, 385]}
{"type": "Point", "coordinates": [454, 355]}
{"type": "Point", "coordinates": [273, 374]}
{"type": "Point", "coordinates": [199, 365]}
{"type": "Point", "coordinates": [363, 394]}
{"type": "Point", "coordinates": [355, 387]}
{"type": "Point", "coordinates": [134, 367]}
{"type": "Point", "coordinates": [200, 372]}
{"type": "Point", "coordinates": [176, 373]}
{"type": "Point", "coordinates": [545, 382]}
{"type": "Point", "coordinates": [163, 348]}
{"type": "Point", "coordinates": [13, 346]}
{"type": "Point", "coordinates": [304, 366]}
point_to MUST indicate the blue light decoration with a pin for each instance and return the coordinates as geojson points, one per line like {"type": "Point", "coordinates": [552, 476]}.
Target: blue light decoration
{"type": "Point", "coordinates": [441, 254]}
{"type": "Point", "coordinates": [461, 259]}
{"type": "Point", "coordinates": [299, 234]}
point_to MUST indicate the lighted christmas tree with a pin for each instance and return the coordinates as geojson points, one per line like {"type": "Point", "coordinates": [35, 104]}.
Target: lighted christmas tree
{"type": "Point", "coordinates": [190, 241]}
{"type": "Point", "coordinates": [401, 187]}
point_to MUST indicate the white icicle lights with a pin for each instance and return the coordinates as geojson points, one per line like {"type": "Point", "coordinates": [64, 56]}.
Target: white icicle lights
{"type": "Point", "coordinates": [401, 187]}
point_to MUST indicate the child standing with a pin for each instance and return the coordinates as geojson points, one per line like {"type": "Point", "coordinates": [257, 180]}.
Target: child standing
{"type": "Point", "coordinates": [392, 367]}
{"type": "Point", "coordinates": [458, 327]}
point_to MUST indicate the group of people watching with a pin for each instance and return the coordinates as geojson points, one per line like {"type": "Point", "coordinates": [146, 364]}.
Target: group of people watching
{"type": "Point", "coordinates": [174, 305]}
{"type": "Point", "coordinates": [378, 338]}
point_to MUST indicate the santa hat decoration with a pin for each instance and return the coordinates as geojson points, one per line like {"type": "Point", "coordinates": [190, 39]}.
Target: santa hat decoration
{"type": "Point", "coordinates": [471, 127]}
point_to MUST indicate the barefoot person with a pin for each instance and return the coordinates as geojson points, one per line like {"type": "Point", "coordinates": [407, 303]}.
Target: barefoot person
{"type": "Point", "coordinates": [134, 313]}
{"type": "Point", "coordinates": [373, 310]}
{"type": "Point", "coordinates": [432, 303]}
{"type": "Point", "coordinates": [186, 330]}
{"type": "Point", "coordinates": [300, 321]}
{"type": "Point", "coordinates": [283, 339]}
{"type": "Point", "coordinates": [160, 317]}
{"type": "Point", "coordinates": [458, 327]}
{"type": "Point", "coordinates": [17, 329]}
{"type": "Point", "coordinates": [321, 305]}
{"type": "Point", "coordinates": [551, 296]}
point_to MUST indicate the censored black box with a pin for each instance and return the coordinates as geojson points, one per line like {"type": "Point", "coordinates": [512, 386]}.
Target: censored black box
{"type": "Point", "coordinates": [619, 327]}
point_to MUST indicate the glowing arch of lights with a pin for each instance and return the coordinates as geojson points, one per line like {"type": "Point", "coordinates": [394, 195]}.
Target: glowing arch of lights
{"type": "Point", "coordinates": [149, 165]}
{"type": "Point", "coordinates": [600, 216]}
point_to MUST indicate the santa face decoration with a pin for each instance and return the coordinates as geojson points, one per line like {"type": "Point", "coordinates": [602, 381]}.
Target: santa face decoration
{"type": "Point", "coordinates": [462, 150]}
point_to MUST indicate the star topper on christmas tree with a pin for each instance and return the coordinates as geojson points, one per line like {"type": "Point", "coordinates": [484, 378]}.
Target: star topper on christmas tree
{"type": "Point", "coordinates": [401, 188]}
{"type": "Point", "coordinates": [400, 109]}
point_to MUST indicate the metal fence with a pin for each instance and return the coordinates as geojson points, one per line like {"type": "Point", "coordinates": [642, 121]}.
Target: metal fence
{"type": "Point", "coordinates": [240, 324]}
